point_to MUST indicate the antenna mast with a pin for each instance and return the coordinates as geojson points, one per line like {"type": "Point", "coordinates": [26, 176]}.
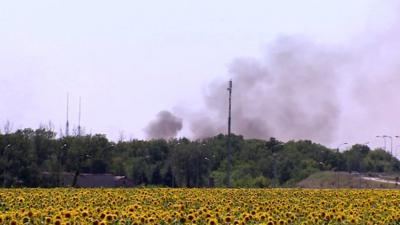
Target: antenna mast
{"type": "Point", "coordinates": [67, 124]}
{"type": "Point", "coordinates": [229, 166]}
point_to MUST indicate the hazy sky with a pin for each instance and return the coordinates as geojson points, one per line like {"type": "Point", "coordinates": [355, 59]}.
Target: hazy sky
{"type": "Point", "coordinates": [128, 60]}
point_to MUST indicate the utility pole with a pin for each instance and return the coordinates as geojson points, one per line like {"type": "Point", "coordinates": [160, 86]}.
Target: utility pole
{"type": "Point", "coordinates": [384, 141]}
{"type": "Point", "coordinates": [337, 167]}
{"type": "Point", "coordinates": [229, 166]}
{"type": "Point", "coordinates": [67, 124]}
{"type": "Point", "coordinates": [391, 143]}
{"type": "Point", "coordinates": [79, 118]}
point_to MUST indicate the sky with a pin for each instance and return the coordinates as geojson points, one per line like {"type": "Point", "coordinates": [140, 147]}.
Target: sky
{"type": "Point", "coordinates": [129, 60]}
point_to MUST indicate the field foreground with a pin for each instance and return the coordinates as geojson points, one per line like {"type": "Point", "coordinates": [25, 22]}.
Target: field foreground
{"type": "Point", "coordinates": [199, 206]}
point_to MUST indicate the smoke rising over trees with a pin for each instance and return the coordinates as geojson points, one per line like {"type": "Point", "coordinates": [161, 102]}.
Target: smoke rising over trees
{"type": "Point", "coordinates": [304, 90]}
{"type": "Point", "coordinates": [291, 93]}
{"type": "Point", "coordinates": [165, 126]}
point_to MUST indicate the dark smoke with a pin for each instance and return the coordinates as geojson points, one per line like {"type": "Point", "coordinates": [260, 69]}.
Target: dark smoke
{"type": "Point", "coordinates": [165, 126]}
{"type": "Point", "coordinates": [302, 90]}
{"type": "Point", "coordinates": [292, 93]}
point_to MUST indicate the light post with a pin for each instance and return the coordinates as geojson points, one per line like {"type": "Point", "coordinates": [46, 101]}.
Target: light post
{"type": "Point", "coordinates": [384, 140]}
{"type": "Point", "coordinates": [275, 164]}
{"type": "Point", "coordinates": [396, 137]}
{"type": "Point", "coordinates": [173, 168]}
{"type": "Point", "coordinates": [209, 160]}
{"type": "Point", "coordinates": [337, 166]}
{"type": "Point", "coordinates": [81, 159]}
{"type": "Point", "coordinates": [391, 143]}
{"type": "Point", "coordinates": [107, 150]}
{"type": "Point", "coordinates": [60, 167]}
{"type": "Point", "coordinates": [360, 175]}
{"type": "Point", "coordinates": [338, 147]}
{"type": "Point", "coordinates": [5, 165]}
{"type": "Point", "coordinates": [321, 165]}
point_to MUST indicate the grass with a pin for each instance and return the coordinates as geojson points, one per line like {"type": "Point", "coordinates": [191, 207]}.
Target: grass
{"type": "Point", "coordinates": [331, 179]}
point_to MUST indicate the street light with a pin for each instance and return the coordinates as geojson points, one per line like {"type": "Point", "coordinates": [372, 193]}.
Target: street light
{"type": "Point", "coordinates": [338, 147]}
{"type": "Point", "coordinates": [391, 143]}
{"type": "Point", "coordinates": [275, 164]}
{"type": "Point", "coordinates": [396, 137]}
{"type": "Point", "coordinates": [321, 165]}
{"type": "Point", "coordinates": [61, 161]}
{"type": "Point", "coordinates": [81, 158]}
{"type": "Point", "coordinates": [337, 166]}
{"type": "Point", "coordinates": [384, 140]}
{"type": "Point", "coordinates": [110, 146]}
{"type": "Point", "coordinates": [5, 166]}
{"type": "Point", "coordinates": [209, 160]}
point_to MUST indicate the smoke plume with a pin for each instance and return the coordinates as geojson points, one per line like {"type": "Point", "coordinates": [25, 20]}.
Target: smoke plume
{"type": "Point", "coordinates": [291, 93]}
{"type": "Point", "coordinates": [165, 126]}
{"type": "Point", "coordinates": [303, 90]}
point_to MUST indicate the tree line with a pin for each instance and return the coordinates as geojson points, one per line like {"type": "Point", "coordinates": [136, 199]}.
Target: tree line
{"type": "Point", "coordinates": [37, 158]}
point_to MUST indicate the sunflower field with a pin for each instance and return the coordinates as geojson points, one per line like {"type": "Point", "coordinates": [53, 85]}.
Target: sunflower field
{"type": "Point", "coordinates": [198, 206]}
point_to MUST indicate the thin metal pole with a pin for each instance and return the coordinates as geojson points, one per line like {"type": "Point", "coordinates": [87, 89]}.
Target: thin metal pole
{"type": "Point", "coordinates": [391, 143]}
{"type": "Point", "coordinates": [384, 141]}
{"type": "Point", "coordinates": [338, 172]}
{"type": "Point", "coordinates": [228, 175]}
{"type": "Point", "coordinates": [5, 166]}
{"type": "Point", "coordinates": [67, 124]}
{"type": "Point", "coordinates": [79, 118]}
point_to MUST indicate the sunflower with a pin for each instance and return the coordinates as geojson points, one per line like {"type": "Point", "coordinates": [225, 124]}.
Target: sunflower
{"type": "Point", "coordinates": [26, 220]}
{"type": "Point", "coordinates": [228, 219]}
{"type": "Point", "coordinates": [270, 222]}
{"type": "Point", "coordinates": [47, 219]}
{"type": "Point", "coordinates": [109, 217]}
{"type": "Point", "coordinates": [67, 215]}
{"type": "Point", "coordinates": [212, 221]}
{"type": "Point", "coordinates": [85, 213]}
{"type": "Point", "coordinates": [191, 217]}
